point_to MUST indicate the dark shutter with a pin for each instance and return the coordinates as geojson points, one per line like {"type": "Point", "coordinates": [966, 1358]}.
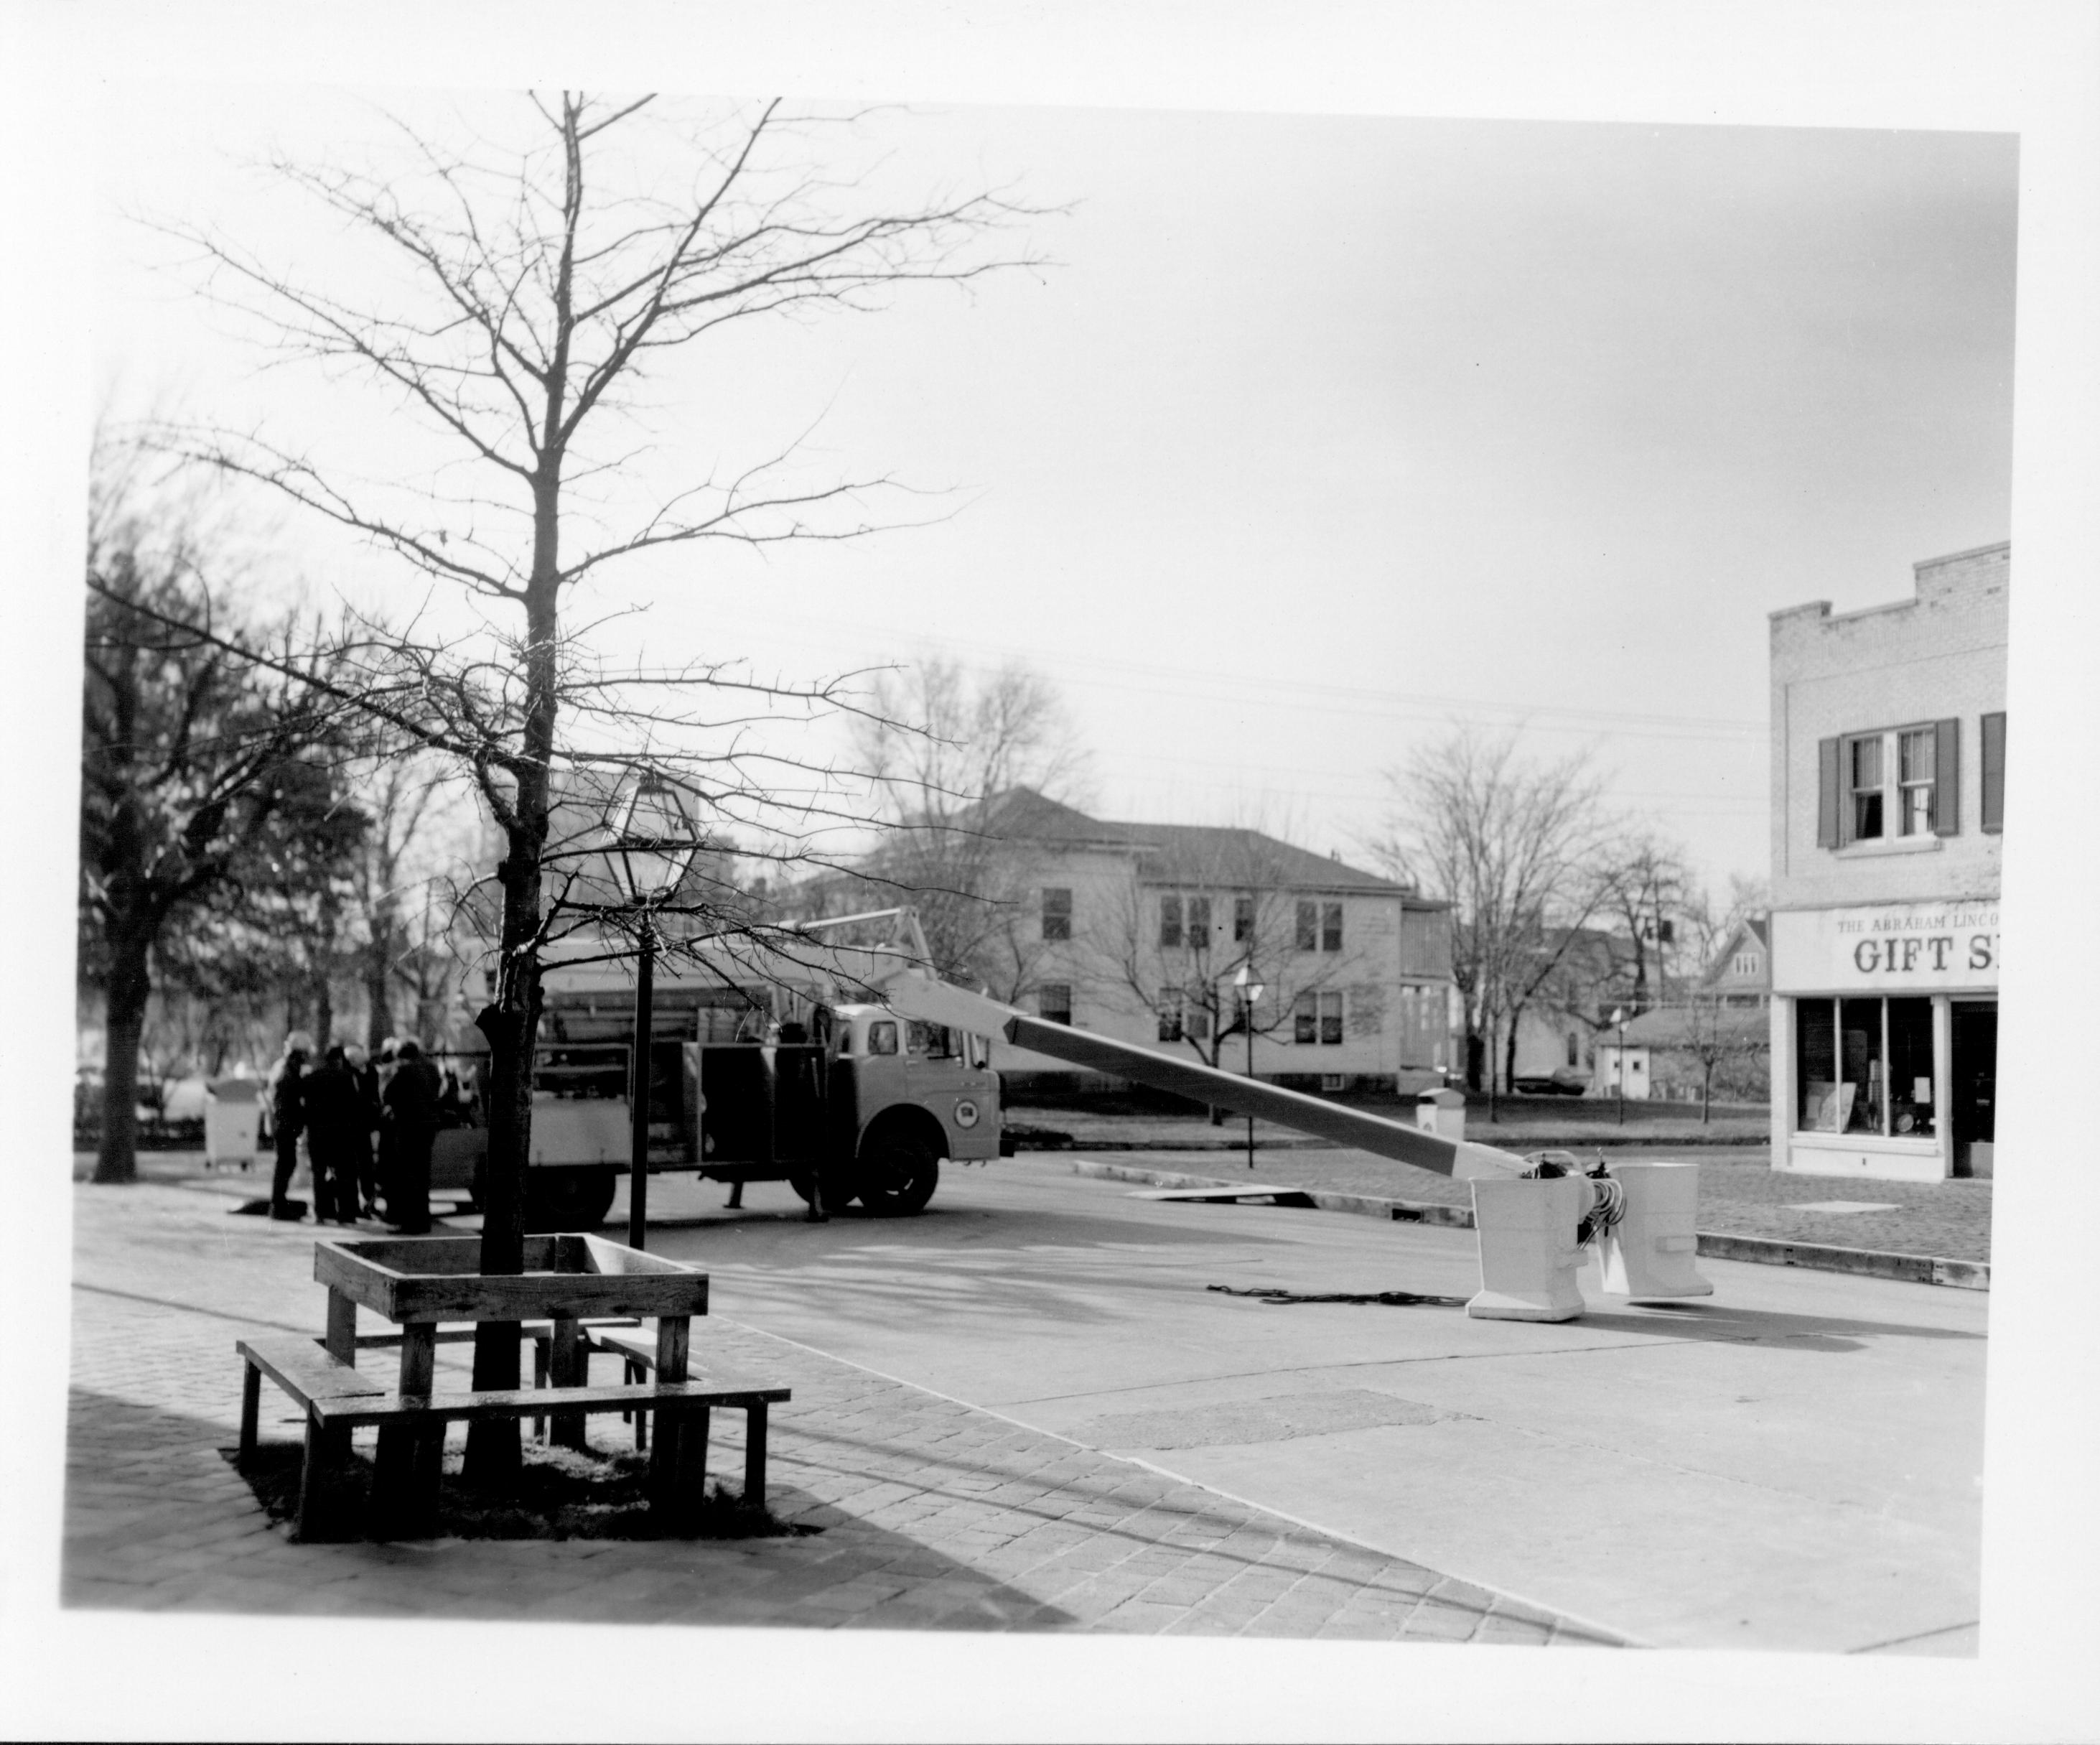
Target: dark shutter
{"type": "Point", "coordinates": [1947, 778]}
{"type": "Point", "coordinates": [1994, 772]}
{"type": "Point", "coordinates": [1830, 793]}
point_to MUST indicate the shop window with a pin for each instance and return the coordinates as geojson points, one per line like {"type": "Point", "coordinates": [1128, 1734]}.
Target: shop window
{"type": "Point", "coordinates": [1315, 1019]}
{"type": "Point", "coordinates": [1994, 772]}
{"type": "Point", "coordinates": [1170, 923]}
{"type": "Point", "coordinates": [1053, 1002]}
{"type": "Point", "coordinates": [1864, 1065]}
{"type": "Point", "coordinates": [1057, 913]}
{"type": "Point", "coordinates": [1243, 921]}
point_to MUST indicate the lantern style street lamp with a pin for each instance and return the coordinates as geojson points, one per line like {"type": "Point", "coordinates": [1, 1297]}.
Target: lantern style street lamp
{"type": "Point", "coordinates": [1249, 991]}
{"type": "Point", "coordinates": [653, 844]}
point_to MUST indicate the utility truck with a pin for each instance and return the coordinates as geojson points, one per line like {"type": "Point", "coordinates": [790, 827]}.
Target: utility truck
{"type": "Point", "coordinates": [851, 1071]}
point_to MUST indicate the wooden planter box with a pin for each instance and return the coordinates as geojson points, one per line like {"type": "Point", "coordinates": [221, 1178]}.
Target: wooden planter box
{"type": "Point", "coordinates": [566, 1278]}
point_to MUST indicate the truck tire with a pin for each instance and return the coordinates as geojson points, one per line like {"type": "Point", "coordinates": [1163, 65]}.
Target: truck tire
{"type": "Point", "coordinates": [898, 1173]}
{"type": "Point", "coordinates": [568, 1199]}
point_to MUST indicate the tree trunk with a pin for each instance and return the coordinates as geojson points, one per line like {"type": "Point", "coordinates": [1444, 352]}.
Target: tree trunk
{"type": "Point", "coordinates": [1706, 1095]}
{"type": "Point", "coordinates": [378, 972]}
{"type": "Point", "coordinates": [124, 1024]}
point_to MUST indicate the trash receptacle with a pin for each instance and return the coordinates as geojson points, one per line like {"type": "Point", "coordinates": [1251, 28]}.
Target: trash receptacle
{"type": "Point", "coordinates": [232, 1111]}
{"type": "Point", "coordinates": [1442, 1112]}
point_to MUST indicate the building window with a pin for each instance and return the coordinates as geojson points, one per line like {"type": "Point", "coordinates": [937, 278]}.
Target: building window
{"type": "Point", "coordinates": [1057, 913]}
{"type": "Point", "coordinates": [1864, 1065]}
{"type": "Point", "coordinates": [1574, 1050]}
{"type": "Point", "coordinates": [1319, 926]}
{"type": "Point", "coordinates": [1243, 921]}
{"type": "Point", "coordinates": [1744, 963]}
{"type": "Point", "coordinates": [1170, 923]}
{"type": "Point", "coordinates": [1873, 785]}
{"type": "Point", "coordinates": [1994, 772]}
{"type": "Point", "coordinates": [1317, 1018]}
{"type": "Point", "coordinates": [1182, 1019]}
{"type": "Point", "coordinates": [1199, 923]}
{"type": "Point", "coordinates": [1863, 787]}
{"type": "Point", "coordinates": [1914, 781]}
{"type": "Point", "coordinates": [1053, 1002]}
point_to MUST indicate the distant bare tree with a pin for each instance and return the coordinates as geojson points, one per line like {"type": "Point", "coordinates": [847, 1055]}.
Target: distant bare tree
{"type": "Point", "coordinates": [939, 742]}
{"type": "Point", "coordinates": [1514, 846]}
{"type": "Point", "coordinates": [1646, 888]}
{"type": "Point", "coordinates": [532, 270]}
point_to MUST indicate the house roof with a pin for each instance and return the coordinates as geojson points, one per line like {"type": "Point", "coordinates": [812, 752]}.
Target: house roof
{"type": "Point", "coordinates": [1188, 853]}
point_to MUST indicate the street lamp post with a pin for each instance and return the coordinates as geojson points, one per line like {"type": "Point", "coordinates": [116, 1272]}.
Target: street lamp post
{"type": "Point", "coordinates": [1249, 992]}
{"type": "Point", "coordinates": [651, 849]}
{"type": "Point", "coordinates": [1619, 1018]}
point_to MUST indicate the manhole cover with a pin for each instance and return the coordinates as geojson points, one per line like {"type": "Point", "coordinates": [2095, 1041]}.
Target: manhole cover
{"type": "Point", "coordinates": [1277, 1418]}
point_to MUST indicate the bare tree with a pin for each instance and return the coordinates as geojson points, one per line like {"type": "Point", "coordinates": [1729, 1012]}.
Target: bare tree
{"type": "Point", "coordinates": [940, 744]}
{"type": "Point", "coordinates": [1716, 1039]}
{"type": "Point", "coordinates": [532, 278]}
{"type": "Point", "coordinates": [1648, 888]}
{"type": "Point", "coordinates": [190, 756]}
{"type": "Point", "coordinates": [1514, 845]}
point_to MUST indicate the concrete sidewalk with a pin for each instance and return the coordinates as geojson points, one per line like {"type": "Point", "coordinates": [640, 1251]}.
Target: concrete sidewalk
{"type": "Point", "coordinates": [931, 1514]}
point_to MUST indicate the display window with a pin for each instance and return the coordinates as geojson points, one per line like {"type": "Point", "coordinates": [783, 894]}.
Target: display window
{"type": "Point", "coordinates": [1864, 1065]}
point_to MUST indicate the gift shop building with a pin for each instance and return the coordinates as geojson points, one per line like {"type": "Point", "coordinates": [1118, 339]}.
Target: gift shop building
{"type": "Point", "coordinates": [1888, 799]}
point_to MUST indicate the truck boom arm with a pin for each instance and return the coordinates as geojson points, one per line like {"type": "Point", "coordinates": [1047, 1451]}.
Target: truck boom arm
{"type": "Point", "coordinates": [915, 994]}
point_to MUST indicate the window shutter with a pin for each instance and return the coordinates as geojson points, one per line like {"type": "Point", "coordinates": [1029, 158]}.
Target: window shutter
{"type": "Point", "coordinates": [1947, 778]}
{"type": "Point", "coordinates": [1993, 817]}
{"type": "Point", "coordinates": [1829, 794]}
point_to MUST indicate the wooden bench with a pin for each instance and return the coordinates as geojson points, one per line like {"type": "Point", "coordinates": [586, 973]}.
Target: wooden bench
{"type": "Point", "coordinates": [637, 1351]}
{"type": "Point", "coordinates": [336, 1398]}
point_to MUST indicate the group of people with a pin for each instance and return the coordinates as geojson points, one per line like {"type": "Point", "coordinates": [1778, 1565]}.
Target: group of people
{"type": "Point", "coordinates": [340, 1106]}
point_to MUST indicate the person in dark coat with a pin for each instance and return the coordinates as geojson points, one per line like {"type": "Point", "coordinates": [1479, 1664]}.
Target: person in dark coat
{"type": "Point", "coordinates": [383, 1070]}
{"type": "Point", "coordinates": [412, 1118]}
{"type": "Point", "coordinates": [287, 1119]}
{"type": "Point", "coordinates": [335, 1135]}
{"type": "Point", "coordinates": [367, 1075]}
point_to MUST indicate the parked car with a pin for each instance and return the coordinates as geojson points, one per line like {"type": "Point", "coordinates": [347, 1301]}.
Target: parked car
{"type": "Point", "coordinates": [1563, 1081]}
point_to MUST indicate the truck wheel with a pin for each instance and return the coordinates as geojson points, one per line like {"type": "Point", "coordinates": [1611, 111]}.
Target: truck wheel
{"type": "Point", "coordinates": [898, 1173]}
{"type": "Point", "coordinates": [568, 1199]}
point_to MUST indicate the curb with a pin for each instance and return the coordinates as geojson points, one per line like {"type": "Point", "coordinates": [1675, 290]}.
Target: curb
{"type": "Point", "coordinates": [1767, 1251]}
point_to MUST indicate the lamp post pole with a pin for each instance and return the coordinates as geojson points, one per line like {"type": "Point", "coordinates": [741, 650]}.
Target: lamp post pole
{"type": "Point", "coordinates": [1619, 1018]}
{"type": "Point", "coordinates": [638, 1086]}
{"type": "Point", "coordinates": [651, 849]}
{"type": "Point", "coordinates": [1249, 991]}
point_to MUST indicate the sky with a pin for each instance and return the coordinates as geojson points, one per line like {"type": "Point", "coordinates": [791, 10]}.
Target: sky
{"type": "Point", "coordinates": [1315, 437]}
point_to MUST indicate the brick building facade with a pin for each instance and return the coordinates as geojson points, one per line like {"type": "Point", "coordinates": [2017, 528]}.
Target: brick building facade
{"type": "Point", "coordinates": [1887, 807]}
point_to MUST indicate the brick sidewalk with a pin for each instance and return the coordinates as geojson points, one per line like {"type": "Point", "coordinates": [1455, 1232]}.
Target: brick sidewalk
{"type": "Point", "coordinates": [932, 1514]}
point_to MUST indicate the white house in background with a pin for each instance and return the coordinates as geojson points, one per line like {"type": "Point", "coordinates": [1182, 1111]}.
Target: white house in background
{"type": "Point", "coordinates": [1137, 930]}
{"type": "Point", "coordinates": [1888, 762]}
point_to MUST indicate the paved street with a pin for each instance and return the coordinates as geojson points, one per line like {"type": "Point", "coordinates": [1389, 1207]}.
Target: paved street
{"type": "Point", "coordinates": [1792, 1464]}
{"type": "Point", "coordinates": [932, 1514]}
